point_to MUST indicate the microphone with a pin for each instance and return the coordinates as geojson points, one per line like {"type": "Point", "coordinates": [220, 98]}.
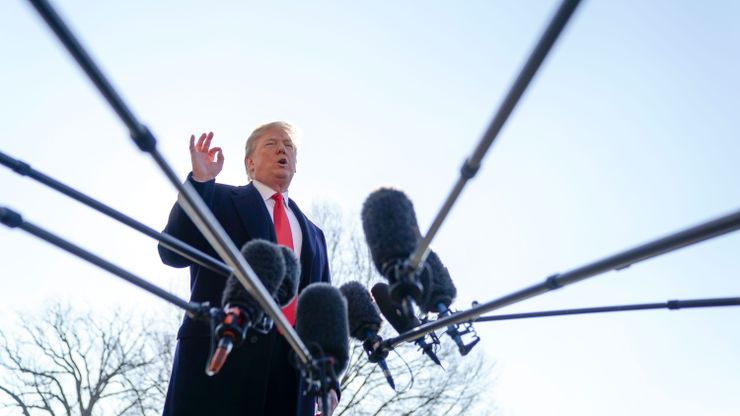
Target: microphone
{"type": "Point", "coordinates": [321, 323]}
{"type": "Point", "coordinates": [240, 308]}
{"type": "Point", "coordinates": [287, 290]}
{"type": "Point", "coordinates": [441, 291]}
{"type": "Point", "coordinates": [439, 297]}
{"type": "Point", "coordinates": [392, 234]}
{"type": "Point", "coordinates": [399, 321]}
{"type": "Point", "coordinates": [364, 324]}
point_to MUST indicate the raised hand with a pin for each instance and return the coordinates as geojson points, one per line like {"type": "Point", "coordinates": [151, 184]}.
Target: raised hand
{"type": "Point", "coordinates": [206, 165]}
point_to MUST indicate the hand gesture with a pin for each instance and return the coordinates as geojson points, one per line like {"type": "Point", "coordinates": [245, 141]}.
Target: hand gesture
{"type": "Point", "coordinates": [205, 163]}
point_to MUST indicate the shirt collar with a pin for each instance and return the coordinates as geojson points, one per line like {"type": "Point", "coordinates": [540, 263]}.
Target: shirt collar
{"type": "Point", "coordinates": [266, 192]}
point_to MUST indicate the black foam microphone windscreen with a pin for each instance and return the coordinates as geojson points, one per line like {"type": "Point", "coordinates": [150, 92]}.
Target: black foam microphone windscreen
{"type": "Point", "coordinates": [364, 318]}
{"type": "Point", "coordinates": [364, 324]}
{"type": "Point", "coordinates": [441, 289]}
{"type": "Point", "coordinates": [321, 322]}
{"type": "Point", "coordinates": [267, 261]}
{"type": "Point", "coordinates": [391, 310]}
{"type": "Point", "coordinates": [288, 289]}
{"type": "Point", "coordinates": [390, 226]}
{"type": "Point", "coordinates": [241, 310]}
{"type": "Point", "coordinates": [398, 320]}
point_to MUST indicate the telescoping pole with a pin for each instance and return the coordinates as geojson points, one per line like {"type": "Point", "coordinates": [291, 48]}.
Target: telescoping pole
{"type": "Point", "coordinates": [188, 198]}
{"type": "Point", "coordinates": [14, 220]}
{"type": "Point", "coordinates": [168, 241]}
{"type": "Point", "coordinates": [472, 164]}
{"type": "Point", "coordinates": [693, 235]}
{"type": "Point", "coordinates": [670, 305]}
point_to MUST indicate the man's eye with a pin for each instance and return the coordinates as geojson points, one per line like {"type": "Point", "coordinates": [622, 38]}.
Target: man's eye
{"type": "Point", "coordinates": [289, 145]}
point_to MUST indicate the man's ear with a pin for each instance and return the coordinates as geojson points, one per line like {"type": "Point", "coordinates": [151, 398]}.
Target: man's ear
{"type": "Point", "coordinates": [248, 163]}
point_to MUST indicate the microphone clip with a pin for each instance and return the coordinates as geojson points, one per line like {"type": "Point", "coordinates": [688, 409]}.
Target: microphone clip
{"type": "Point", "coordinates": [204, 312]}
{"type": "Point", "coordinates": [429, 348]}
{"type": "Point", "coordinates": [320, 378]}
{"type": "Point", "coordinates": [374, 349]}
{"type": "Point", "coordinates": [458, 331]}
{"type": "Point", "coordinates": [405, 288]}
{"type": "Point", "coordinates": [264, 324]}
{"type": "Point", "coordinates": [234, 324]}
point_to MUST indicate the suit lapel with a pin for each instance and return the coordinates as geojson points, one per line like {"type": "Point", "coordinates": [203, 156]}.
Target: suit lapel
{"type": "Point", "coordinates": [253, 213]}
{"type": "Point", "coordinates": [256, 221]}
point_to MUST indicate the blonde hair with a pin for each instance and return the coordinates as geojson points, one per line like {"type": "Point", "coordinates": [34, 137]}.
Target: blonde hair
{"type": "Point", "coordinates": [288, 128]}
{"type": "Point", "coordinates": [260, 130]}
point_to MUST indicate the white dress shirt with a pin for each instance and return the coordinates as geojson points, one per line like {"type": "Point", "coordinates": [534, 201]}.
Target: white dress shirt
{"type": "Point", "coordinates": [295, 228]}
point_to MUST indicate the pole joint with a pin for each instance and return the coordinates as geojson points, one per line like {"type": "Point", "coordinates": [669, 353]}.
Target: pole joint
{"type": "Point", "coordinates": [552, 282]}
{"type": "Point", "coordinates": [10, 218]}
{"type": "Point", "coordinates": [144, 139]}
{"type": "Point", "coordinates": [468, 169]}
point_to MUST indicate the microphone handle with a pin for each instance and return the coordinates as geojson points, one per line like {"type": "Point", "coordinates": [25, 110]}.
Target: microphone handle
{"type": "Point", "coordinates": [371, 344]}
{"type": "Point", "coordinates": [225, 345]}
{"type": "Point", "coordinates": [387, 373]}
{"type": "Point", "coordinates": [427, 349]}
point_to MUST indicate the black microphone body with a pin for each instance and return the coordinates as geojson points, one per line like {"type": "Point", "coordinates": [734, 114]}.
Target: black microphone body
{"type": "Point", "coordinates": [442, 292]}
{"type": "Point", "coordinates": [289, 287]}
{"type": "Point", "coordinates": [398, 320]}
{"type": "Point", "coordinates": [287, 290]}
{"type": "Point", "coordinates": [441, 289]}
{"type": "Point", "coordinates": [364, 324]}
{"type": "Point", "coordinates": [241, 310]}
{"type": "Point", "coordinates": [321, 323]}
{"type": "Point", "coordinates": [392, 234]}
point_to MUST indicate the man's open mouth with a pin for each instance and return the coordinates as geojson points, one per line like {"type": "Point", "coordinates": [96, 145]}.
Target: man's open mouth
{"type": "Point", "coordinates": [283, 162]}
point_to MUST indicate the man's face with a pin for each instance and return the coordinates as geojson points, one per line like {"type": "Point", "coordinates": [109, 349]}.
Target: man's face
{"type": "Point", "coordinates": [273, 160]}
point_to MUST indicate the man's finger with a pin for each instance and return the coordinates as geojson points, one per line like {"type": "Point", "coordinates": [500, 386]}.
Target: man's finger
{"type": "Point", "coordinates": [207, 143]}
{"type": "Point", "coordinates": [199, 145]}
{"type": "Point", "coordinates": [212, 153]}
{"type": "Point", "coordinates": [192, 142]}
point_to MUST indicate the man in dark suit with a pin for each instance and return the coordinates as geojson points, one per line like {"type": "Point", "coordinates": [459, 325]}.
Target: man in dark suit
{"type": "Point", "coordinates": [257, 378]}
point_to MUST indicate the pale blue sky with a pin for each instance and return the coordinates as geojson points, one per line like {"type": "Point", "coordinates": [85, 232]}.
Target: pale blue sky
{"type": "Point", "coordinates": [628, 132]}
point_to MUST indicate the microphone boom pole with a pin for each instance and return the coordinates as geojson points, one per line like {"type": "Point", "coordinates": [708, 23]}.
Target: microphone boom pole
{"type": "Point", "coordinates": [14, 220]}
{"type": "Point", "coordinates": [670, 305]}
{"type": "Point", "coordinates": [168, 241]}
{"type": "Point", "coordinates": [188, 198]}
{"type": "Point", "coordinates": [693, 235]}
{"type": "Point", "coordinates": [472, 164]}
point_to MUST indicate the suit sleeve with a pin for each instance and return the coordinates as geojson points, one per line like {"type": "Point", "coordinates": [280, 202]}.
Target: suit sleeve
{"type": "Point", "coordinates": [181, 227]}
{"type": "Point", "coordinates": [325, 273]}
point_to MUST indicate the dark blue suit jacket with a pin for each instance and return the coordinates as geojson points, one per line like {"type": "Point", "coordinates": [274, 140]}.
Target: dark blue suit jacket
{"type": "Point", "coordinates": [241, 386]}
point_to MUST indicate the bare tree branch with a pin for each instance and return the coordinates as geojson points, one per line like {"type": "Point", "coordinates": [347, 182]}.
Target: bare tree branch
{"type": "Point", "coordinates": [82, 364]}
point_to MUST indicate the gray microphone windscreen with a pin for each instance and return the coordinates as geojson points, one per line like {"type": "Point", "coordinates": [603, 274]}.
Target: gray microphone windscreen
{"type": "Point", "coordinates": [289, 287]}
{"type": "Point", "coordinates": [441, 289]}
{"type": "Point", "coordinates": [364, 317]}
{"type": "Point", "coordinates": [267, 262]}
{"type": "Point", "coordinates": [321, 322]}
{"type": "Point", "coordinates": [391, 310]}
{"type": "Point", "coordinates": [390, 226]}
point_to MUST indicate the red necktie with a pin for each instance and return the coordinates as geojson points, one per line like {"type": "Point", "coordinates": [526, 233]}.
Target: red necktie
{"type": "Point", "coordinates": [284, 238]}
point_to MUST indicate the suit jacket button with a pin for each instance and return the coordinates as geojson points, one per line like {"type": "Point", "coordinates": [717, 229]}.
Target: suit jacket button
{"type": "Point", "coordinates": [253, 340]}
